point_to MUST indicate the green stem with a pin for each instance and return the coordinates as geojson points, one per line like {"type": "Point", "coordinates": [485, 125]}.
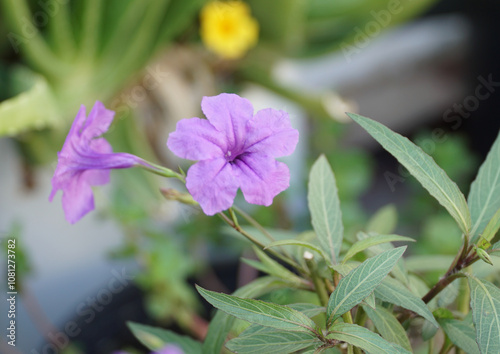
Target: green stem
{"type": "Point", "coordinates": [319, 285]}
{"type": "Point", "coordinates": [464, 297]}
{"type": "Point", "coordinates": [61, 31]}
{"type": "Point", "coordinates": [160, 170]}
{"type": "Point", "coordinates": [91, 28]}
{"type": "Point", "coordinates": [30, 41]}
{"type": "Point", "coordinates": [259, 244]}
{"type": "Point", "coordinates": [139, 46]}
{"type": "Point", "coordinates": [254, 223]}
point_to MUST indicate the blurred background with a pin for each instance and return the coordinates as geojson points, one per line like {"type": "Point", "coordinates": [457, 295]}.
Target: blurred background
{"type": "Point", "coordinates": [427, 69]}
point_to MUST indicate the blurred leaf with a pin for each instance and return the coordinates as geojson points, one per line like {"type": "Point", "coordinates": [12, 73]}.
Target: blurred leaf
{"type": "Point", "coordinates": [449, 294]}
{"type": "Point", "coordinates": [422, 167]}
{"type": "Point", "coordinates": [483, 196]}
{"type": "Point", "coordinates": [364, 339]}
{"type": "Point", "coordinates": [388, 326]}
{"type": "Point", "coordinates": [461, 334]}
{"type": "Point", "coordinates": [155, 338]}
{"type": "Point", "coordinates": [428, 263]}
{"type": "Point", "coordinates": [373, 241]}
{"type": "Point", "coordinates": [390, 290]}
{"type": "Point", "coordinates": [34, 108]}
{"type": "Point", "coordinates": [359, 283]}
{"type": "Point", "coordinates": [325, 210]}
{"type": "Point", "coordinates": [260, 312]}
{"type": "Point", "coordinates": [485, 304]}
{"type": "Point", "coordinates": [384, 221]}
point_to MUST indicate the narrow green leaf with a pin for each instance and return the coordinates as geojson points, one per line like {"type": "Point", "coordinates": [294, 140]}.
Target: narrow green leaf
{"type": "Point", "coordinates": [274, 268]}
{"type": "Point", "coordinates": [390, 290]}
{"type": "Point", "coordinates": [364, 338]}
{"type": "Point", "coordinates": [222, 323]}
{"type": "Point", "coordinates": [299, 243]}
{"type": "Point", "coordinates": [373, 241]}
{"type": "Point", "coordinates": [422, 167]}
{"type": "Point", "coordinates": [263, 340]}
{"type": "Point", "coordinates": [155, 338]}
{"type": "Point", "coordinates": [399, 271]}
{"type": "Point", "coordinates": [484, 191]}
{"type": "Point", "coordinates": [388, 326]}
{"type": "Point", "coordinates": [32, 109]}
{"type": "Point", "coordinates": [384, 221]}
{"type": "Point", "coordinates": [359, 283]}
{"type": "Point", "coordinates": [461, 334]}
{"type": "Point", "coordinates": [492, 227]}
{"type": "Point", "coordinates": [259, 312]}
{"type": "Point", "coordinates": [449, 294]}
{"type": "Point", "coordinates": [370, 301]}
{"type": "Point", "coordinates": [426, 263]}
{"type": "Point", "coordinates": [324, 206]}
{"type": "Point", "coordinates": [485, 304]}
{"type": "Point", "coordinates": [495, 249]}
{"type": "Point", "coordinates": [346, 268]}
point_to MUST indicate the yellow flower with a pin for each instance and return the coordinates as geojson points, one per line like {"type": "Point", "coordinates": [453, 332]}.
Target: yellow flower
{"type": "Point", "coordinates": [228, 29]}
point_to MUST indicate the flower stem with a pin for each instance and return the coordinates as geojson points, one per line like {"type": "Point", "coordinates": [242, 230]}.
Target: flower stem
{"type": "Point", "coordinates": [252, 239]}
{"type": "Point", "coordinates": [254, 223]}
{"type": "Point", "coordinates": [160, 170]}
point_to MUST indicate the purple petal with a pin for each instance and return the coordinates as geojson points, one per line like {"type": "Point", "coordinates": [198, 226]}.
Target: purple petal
{"type": "Point", "coordinates": [270, 132]}
{"type": "Point", "coordinates": [96, 177]}
{"type": "Point", "coordinates": [169, 349]}
{"type": "Point", "coordinates": [196, 139]}
{"type": "Point", "coordinates": [212, 184]}
{"type": "Point", "coordinates": [77, 199]}
{"type": "Point", "coordinates": [229, 114]}
{"type": "Point", "coordinates": [97, 122]}
{"type": "Point", "coordinates": [261, 178]}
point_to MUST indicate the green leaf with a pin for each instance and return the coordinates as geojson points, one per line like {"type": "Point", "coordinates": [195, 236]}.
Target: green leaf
{"type": "Point", "coordinates": [263, 340]}
{"type": "Point", "coordinates": [324, 206]}
{"type": "Point", "coordinates": [372, 241]}
{"type": "Point", "coordinates": [426, 263]}
{"type": "Point", "coordinates": [449, 294]}
{"type": "Point", "coordinates": [222, 323]}
{"type": "Point", "coordinates": [390, 290]}
{"type": "Point", "coordinates": [485, 304]}
{"type": "Point", "coordinates": [32, 109]}
{"type": "Point", "coordinates": [384, 221]}
{"type": "Point", "coordinates": [461, 334]}
{"type": "Point", "coordinates": [274, 268]}
{"type": "Point", "coordinates": [359, 283]}
{"type": "Point", "coordinates": [364, 339]}
{"type": "Point", "coordinates": [422, 167]}
{"type": "Point", "coordinates": [495, 249]}
{"type": "Point", "coordinates": [155, 338]}
{"type": "Point", "coordinates": [492, 227]}
{"type": "Point", "coordinates": [299, 243]}
{"type": "Point", "coordinates": [388, 326]}
{"type": "Point", "coordinates": [484, 191]}
{"type": "Point", "coordinates": [260, 312]}
{"type": "Point", "coordinates": [370, 300]}
{"type": "Point", "coordinates": [399, 271]}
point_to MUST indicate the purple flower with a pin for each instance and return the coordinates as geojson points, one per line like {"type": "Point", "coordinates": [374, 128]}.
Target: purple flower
{"type": "Point", "coordinates": [236, 149]}
{"type": "Point", "coordinates": [85, 160]}
{"type": "Point", "coordinates": [169, 349]}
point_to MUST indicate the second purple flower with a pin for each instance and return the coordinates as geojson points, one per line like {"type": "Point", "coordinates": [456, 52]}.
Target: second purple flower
{"type": "Point", "coordinates": [235, 149]}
